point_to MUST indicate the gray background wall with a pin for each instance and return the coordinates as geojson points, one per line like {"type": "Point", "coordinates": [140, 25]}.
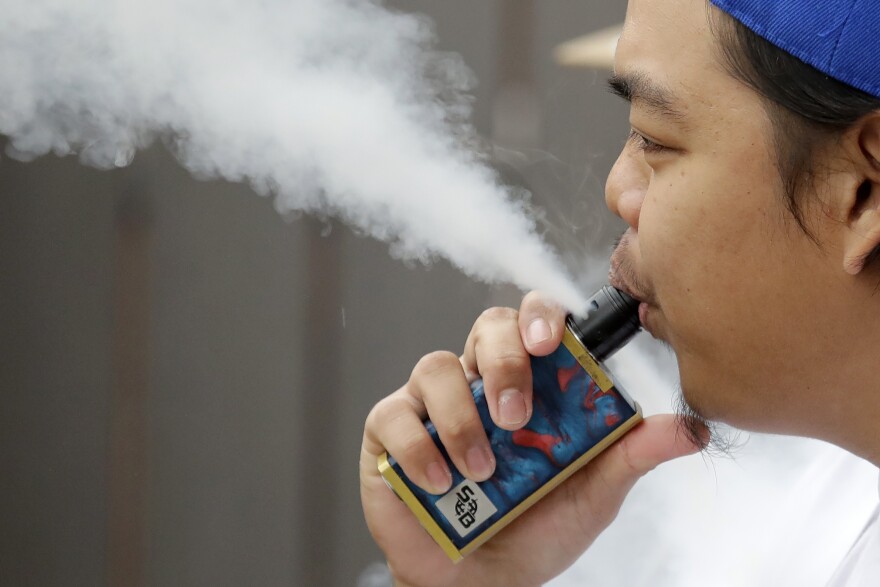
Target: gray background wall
{"type": "Point", "coordinates": [186, 374]}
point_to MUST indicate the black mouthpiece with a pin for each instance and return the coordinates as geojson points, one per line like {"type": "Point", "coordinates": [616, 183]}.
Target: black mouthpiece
{"type": "Point", "coordinates": [610, 321]}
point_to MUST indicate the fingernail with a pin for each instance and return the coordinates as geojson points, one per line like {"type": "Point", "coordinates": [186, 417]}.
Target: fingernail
{"type": "Point", "coordinates": [439, 477]}
{"type": "Point", "coordinates": [512, 407]}
{"type": "Point", "coordinates": [480, 462]}
{"type": "Point", "coordinates": [538, 331]}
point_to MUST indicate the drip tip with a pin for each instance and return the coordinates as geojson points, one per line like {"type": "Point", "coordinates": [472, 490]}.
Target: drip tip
{"type": "Point", "coordinates": [611, 319]}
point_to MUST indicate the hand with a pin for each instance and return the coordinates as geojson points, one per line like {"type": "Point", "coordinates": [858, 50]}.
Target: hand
{"type": "Point", "coordinates": [551, 535]}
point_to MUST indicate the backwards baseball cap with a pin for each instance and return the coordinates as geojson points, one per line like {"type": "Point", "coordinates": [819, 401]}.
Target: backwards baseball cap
{"type": "Point", "coordinates": [840, 38]}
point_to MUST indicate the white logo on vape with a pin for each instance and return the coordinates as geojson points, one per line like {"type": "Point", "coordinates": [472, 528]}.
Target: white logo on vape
{"type": "Point", "coordinates": [466, 507]}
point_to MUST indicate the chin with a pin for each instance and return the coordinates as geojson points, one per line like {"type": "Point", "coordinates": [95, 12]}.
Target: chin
{"type": "Point", "coordinates": [695, 423]}
{"type": "Point", "coordinates": [719, 399]}
{"type": "Point", "coordinates": [699, 396]}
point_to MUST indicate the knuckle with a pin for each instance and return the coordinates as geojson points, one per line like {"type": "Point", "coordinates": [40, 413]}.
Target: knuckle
{"type": "Point", "coordinates": [387, 411]}
{"type": "Point", "coordinates": [510, 360]}
{"type": "Point", "coordinates": [436, 362]}
{"type": "Point", "coordinates": [532, 300]}
{"type": "Point", "coordinates": [413, 447]}
{"type": "Point", "coordinates": [633, 467]}
{"type": "Point", "coordinates": [381, 411]}
{"type": "Point", "coordinates": [460, 429]}
{"type": "Point", "coordinates": [497, 314]}
{"type": "Point", "coordinates": [537, 304]}
{"type": "Point", "coordinates": [375, 415]}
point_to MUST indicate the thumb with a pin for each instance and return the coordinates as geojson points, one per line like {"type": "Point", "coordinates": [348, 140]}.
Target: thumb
{"type": "Point", "coordinates": [656, 440]}
{"type": "Point", "coordinates": [588, 502]}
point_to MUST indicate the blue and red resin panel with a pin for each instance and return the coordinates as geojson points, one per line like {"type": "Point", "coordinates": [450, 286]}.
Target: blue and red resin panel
{"type": "Point", "coordinates": [571, 414]}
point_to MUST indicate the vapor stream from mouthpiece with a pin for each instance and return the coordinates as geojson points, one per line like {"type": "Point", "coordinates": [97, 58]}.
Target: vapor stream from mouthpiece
{"type": "Point", "coordinates": [335, 107]}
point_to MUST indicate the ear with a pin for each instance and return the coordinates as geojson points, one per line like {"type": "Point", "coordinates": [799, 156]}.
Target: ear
{"type": "Point", "coordinates": [862, 238]}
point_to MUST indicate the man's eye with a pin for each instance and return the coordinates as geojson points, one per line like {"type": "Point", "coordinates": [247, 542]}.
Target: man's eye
{"type": "Point", "coordinates": [645, 144]}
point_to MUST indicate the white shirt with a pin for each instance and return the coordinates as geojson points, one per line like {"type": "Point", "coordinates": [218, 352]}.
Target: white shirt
{"type": "Point", "coordinates": [861, 567]}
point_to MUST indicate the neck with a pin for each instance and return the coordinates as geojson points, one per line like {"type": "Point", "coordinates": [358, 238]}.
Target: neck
{"type": "Point", "coordinates": [849, 409]}
{"type": "Point", "coordinates": [854, 426]}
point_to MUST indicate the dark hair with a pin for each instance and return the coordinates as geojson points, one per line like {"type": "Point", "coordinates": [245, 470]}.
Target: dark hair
{"type": "Point", "coordinates": [806, 107]}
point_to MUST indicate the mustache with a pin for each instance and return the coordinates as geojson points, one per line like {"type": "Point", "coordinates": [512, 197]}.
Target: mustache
{"type": "Point", "coordinates": [622, 267]}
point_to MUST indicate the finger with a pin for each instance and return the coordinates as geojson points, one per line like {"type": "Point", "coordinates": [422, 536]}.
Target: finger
{"type": "Point", "coordinates": [541, 324]}
{"type": "Point", "coordinates": [395, 425]}
{"type": "Point", "coordinates": [395, 529]}
{"type": "Point", "coordinates": [495, 349]}
{"type": "Point", "coordinates": [439, 381]}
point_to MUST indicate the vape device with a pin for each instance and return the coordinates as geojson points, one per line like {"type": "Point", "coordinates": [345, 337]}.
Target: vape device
{"type": "Point", "coordinates": [577, 412]}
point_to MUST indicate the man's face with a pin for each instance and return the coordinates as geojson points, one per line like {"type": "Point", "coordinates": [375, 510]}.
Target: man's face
{"type": "Point", "coordinates": [732, 283]}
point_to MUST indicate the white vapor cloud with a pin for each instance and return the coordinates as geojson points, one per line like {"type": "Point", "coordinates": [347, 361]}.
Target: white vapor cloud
{"type": "Point", "coordinates": [334, 107]}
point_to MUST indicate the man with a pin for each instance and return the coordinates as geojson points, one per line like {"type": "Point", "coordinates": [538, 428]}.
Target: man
{"type": "Point", "coordinates": [751, 187]}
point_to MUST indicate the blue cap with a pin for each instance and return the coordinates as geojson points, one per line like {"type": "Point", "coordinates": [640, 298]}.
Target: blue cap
{"type": "Point", "coordinates": [840, 38]}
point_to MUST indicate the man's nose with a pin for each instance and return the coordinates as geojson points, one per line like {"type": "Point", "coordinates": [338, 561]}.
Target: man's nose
{"type": "Point", "coordinates": [626, 186]}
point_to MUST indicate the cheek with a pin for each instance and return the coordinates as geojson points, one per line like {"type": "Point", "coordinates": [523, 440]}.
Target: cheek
{"type": "Point", "coordinates": [691, 236]}
{"type": "Point", "coordinates": [706, 241]}
{"type": "Point", "coordinates": [719, 252]}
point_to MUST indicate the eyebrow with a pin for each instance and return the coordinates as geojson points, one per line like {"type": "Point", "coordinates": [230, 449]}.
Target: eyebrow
{"type": "Point", "coordinates": [639, 88]}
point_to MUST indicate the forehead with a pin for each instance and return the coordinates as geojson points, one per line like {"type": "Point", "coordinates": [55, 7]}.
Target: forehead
{"type": "Point", "coordinates": [671, 44]}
